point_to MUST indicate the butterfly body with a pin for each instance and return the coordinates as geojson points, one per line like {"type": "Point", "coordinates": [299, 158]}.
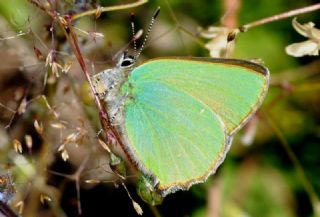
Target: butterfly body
{"type": "Point", "coordinates": [177, 116]}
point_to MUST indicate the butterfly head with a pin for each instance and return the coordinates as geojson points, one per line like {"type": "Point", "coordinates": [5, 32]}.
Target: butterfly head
{"type": "Point", "coordinates": [126, 60]}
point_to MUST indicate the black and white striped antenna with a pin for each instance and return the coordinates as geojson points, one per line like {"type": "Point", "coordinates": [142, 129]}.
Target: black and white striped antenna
{"type": "Point", "coordinates": [147, 33]}
{"type": "Point", "coordinates": [133, 34]}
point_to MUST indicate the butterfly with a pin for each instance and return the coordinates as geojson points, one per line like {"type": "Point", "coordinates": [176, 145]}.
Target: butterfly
{"type": "Point", "coordinates": [177, 116]}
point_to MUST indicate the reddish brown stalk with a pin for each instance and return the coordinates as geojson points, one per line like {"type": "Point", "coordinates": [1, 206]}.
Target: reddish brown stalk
{"type": "Point", "coordinates": [281, 16]}
{"type": "Point", "coordinates": [6, 211]}
{"type": "Point", "coordinates": [65, 22]}
{"type": "Point", "coordinates": [108, 9]}
{"type": "Point", "coordinates": [104, 118]}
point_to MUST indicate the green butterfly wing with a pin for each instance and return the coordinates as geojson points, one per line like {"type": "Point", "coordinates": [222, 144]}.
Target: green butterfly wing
{"type": "Point", "coordinates": [183, 113]}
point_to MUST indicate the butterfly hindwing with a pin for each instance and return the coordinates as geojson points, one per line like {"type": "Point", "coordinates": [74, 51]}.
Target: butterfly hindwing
{"type": "Point", "coordinates": [175, 138]}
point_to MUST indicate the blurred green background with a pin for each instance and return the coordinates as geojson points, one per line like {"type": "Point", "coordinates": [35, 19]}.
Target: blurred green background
{"type": "Point", "coordinates": [272, 169]}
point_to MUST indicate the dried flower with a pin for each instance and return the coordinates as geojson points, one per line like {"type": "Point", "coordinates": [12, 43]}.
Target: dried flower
{"type": "Point", "coordinates": [309, 47]}
{"type": "Point", "coordinates": [220, 44]}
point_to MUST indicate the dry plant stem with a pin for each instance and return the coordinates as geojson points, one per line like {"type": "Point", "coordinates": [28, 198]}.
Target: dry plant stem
{"type": "Point", "coordinates": [303, 177]}
{"type": "Point", "coordinates": [6, 211]}
{"type": "Point", "coordinates": [281, 16]}
{"type": "Point", "coordinates": [76, 178]}
{"type": "Point", "coordinates": [106, 125]}
{"type": "Point", "coordinates": [73, 42]}
{"type": "Point", "coordinates": [91, 12]}
{"type": "Point", "coordinates": [108, 9]}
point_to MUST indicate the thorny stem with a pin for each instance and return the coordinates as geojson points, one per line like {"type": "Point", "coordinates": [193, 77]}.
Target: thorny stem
{"type": "Point", "coordinates": [281, 16]}
{"type": "Point", "coordinates": [305, 182]}
{"type": "Point", "coordinates": [108, 9]}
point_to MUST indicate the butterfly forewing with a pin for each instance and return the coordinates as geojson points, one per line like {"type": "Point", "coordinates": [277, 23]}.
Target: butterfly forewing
{"type": "Point", "coordinates": [182, 114]}
{"type": "Point", "coordinates": [233, 89]}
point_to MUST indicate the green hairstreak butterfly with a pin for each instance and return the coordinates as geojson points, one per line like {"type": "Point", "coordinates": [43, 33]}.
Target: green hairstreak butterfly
{"type": "Point", "coordinates": [177, 116]}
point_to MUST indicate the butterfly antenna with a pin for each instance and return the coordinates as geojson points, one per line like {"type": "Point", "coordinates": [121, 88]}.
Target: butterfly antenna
{"type": "Point", "coordinates": [133, 33]}
{"type": "Point", "coordinates": [148, 32]}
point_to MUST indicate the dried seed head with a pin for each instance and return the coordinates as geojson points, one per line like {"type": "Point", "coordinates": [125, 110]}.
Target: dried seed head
{"type": "Point", "coordinates": [49, 58]}
{"type": "Point", "coordinates": [38, 127]}
{"type": "Point", "coordinates": [38, 53]}
{"type": "Point", "coordinates": [92, 181]}
{"type": "Point", "coordinates": [63, 21]}
{"type": "Point", "coordinates": [98, 12]}
{"type": "Point", "coordinates": [58, 125]}
{"type": "Point", "coordinates": [64, 155]}
{"type": "Point", "coordinates": [54, 67]}
{"type": "Point", "coordinates": [22, 106]}
{"type": "Point", "coordinates": [17, 146]}
{"type": "Point", "coordinates": [61, 147]}
{"type": "Point", "coordinates": [66, 67]}
{"type": "Point", "coordinates": [28, 140]}
{"type": "Point", "coordinates": [137, 207]}
{"type": "Point", "coordinates": [20, 206]}
{"type": "Point", "coordinates": [104, 145]}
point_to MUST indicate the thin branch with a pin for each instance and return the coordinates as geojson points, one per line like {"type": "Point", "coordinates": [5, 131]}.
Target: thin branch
{"type": "Point", "coordinates": [6, 211]}
{"type": "Point", "coordinates": [281, 16]}
{"type": "Point", "coordinates": [303, 177]}
{"type": "Point", "coordinates": [108, 9]}
{"type": "Point", "coordinates": [65, 23]}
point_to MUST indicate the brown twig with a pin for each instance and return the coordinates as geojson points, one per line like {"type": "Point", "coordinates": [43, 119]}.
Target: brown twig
{"type": "Point", "coordinates": [6, 211]}
{"type": "Point", "coordinates": [281, 16]}
{"type": "Point", "coordinates": [104, 118]}
{"type": "Point", "coordinates": [93, 11]}
{"type": "Point", "coordinates": [108, 9]}
{"type": "Point", "coordinates": [66, 24]}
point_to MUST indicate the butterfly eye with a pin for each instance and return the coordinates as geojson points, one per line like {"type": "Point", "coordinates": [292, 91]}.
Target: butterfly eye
{"type": "Point", "coordinates": [127, 62]}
